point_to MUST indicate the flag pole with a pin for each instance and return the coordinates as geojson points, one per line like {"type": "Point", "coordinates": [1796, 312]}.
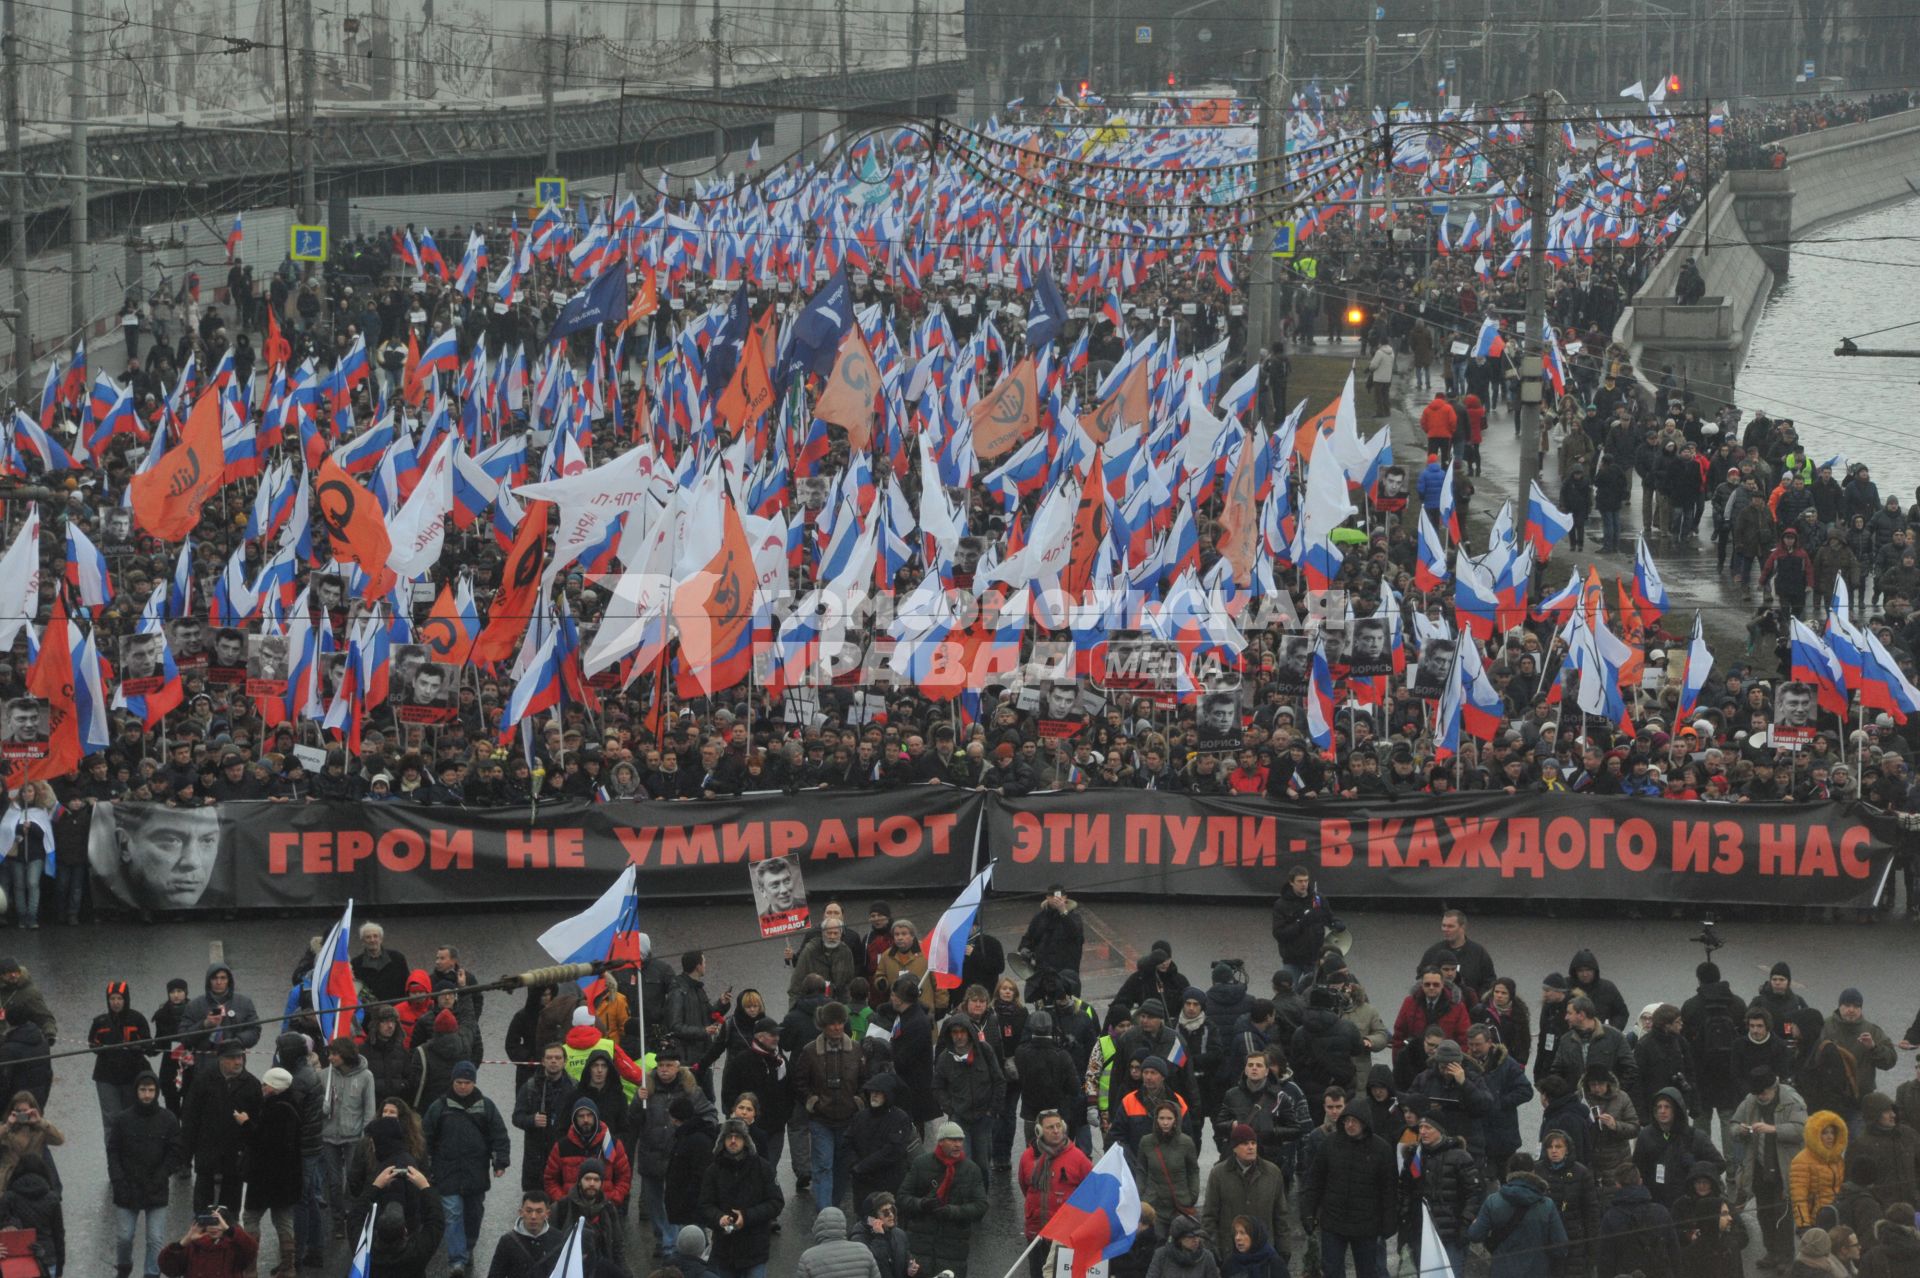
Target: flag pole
{"type": "Point", "coordinates": [1019, 1261]}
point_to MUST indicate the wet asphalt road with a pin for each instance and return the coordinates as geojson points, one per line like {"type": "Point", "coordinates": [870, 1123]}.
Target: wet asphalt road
{"type": "Point", "coordinates": [1651, 960]}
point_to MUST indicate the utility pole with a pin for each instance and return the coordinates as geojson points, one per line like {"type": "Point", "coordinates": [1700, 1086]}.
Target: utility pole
{"type": "Point", "coordinates": [840, 17]}
{"type": "Point", "coordinates": [1534, 352]}
{"type": "Point", "coordinates": [17, 215]}
{"type": "Point", "coordinates": [309, 204]}
{"type": "Point", "coordinates": [1263, 295]}
{"type": "Point", "coordinates": [1486, 53]}
{"type": "Point", "coordinates": [915, 54]}
{"type": "Point", "coordinates": [546, 92]}
{"type": "Point", "coordinates": [78, 248]}
{"type": "Point", "coordinates": [1604, 49]}
{"type": "Point", "coordinates": [1373, 51]}
{"type": "Point", "coordinates": [719, 130]}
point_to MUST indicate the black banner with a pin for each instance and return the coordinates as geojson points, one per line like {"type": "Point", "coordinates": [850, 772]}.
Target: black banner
{"type": "Point", "coordinates": [1528, 846]}
{"type": "Point", "coordinates": [278, 855]}
{"type": "Point", "coordinates": [1122, 843]}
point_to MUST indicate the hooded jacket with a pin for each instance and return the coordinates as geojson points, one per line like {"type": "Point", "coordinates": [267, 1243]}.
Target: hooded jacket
{"type": "Point", "coordinates": [1894, 1150]}
{"type": "Point", "coordinates": [1353, 1190]}
{"type": "Point", "coordinates": [572, 1149]}
{"type": "Point", "coordinates": [1818, 1170]}
{"type": "Point", "coordinates": [1604, 993]}
{"type": "Point", "coordinates": [1612, 1146]}
{"type": "Point", "coordinates": [1896, 1251]}
{"type": "Point", "coordinates": [24, 1066]}
{"type": "Point", "coordinates": [1445, 1178]}
{"type": "Point", "coordinates": [1636, 1233]}
{"type": "Point", "coordinates": [113, 1061]}
{"type": "Point", "coordinates": [349, 1104]}
{"type": "Point", "coordinates": [882, 1138]}
{"type": "Point", "coordinates": [967, 1085]}
{"type": "Point", "coordinates": [833, 1254]}
{"type": "Point", "coordinates": [392, 1063]}
{"type": "Point", "coordinates": [24, 1002]}
{"type": "Point", "coordinates": [1175, 1261]}
{"type": "Point", "coordinates": [420, 1003]}
{"type": "Point", "coordinates": [742, 1183]}
{"type": "Point", "coordinates": [239, 1014]}
{"type": "Point", "coordinates": [1049, 1078]}
{"type": "Point", "coordinates": [1666, 1158]}
{"type": "Point", "coordinates": [402, 1250]}
{"type": "Point", "coordinates": [143, 1152]}
{"type": "Point", "coordinates": [1571, 1186]}
{"type": "Point", "coordinates": [466, 1139]}
{"type": "Point", "coordinates": [1522, 1215]}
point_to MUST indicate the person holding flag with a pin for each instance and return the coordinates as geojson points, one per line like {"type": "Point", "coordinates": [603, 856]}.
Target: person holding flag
{"type": "Point", "coordinates": [942, 1199]}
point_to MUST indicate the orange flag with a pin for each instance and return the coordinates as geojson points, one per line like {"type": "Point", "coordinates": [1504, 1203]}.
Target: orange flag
{"type": "Point", "coordinates": [644, 303]}
{"type": "Point", "coordinates": [1237, 539]}
{"type": "Point", "coordinates": [1126, 407]}
{"type": "Point", "coordinates": [167, 499]}
{"type": "Point", "coordinates": [851, 391]}
{"type": "Point", "coordinates": [51, 679]}
{"type": "Point", "coordinates": [445, 633]}
{"type": "Point", "coordinates": [714, 611]}
{"type": "Point", "coordinates": [519, 589]}
{"type": "Point", "coordinates": [1007, 415]}
{"type": "Point", "coordinates": [750, 393]}
{"type": "Point", "coordinates": [410, 384]}
{"type": "Point", "coordinates": [277, 350]}
{"type": "Point", "coordinates": [1308, 432]}
{"type": "Point", "coordinates": [354, 523]}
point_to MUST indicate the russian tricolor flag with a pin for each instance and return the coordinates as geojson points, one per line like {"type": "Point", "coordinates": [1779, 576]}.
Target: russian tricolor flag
{"type": "Point", "coordinates": [1488, 344]}
{"type": "Point", "coordinates": [234, 237]}
{"type": "Point", "coordinates": [1430, 569]}
{"type": "Point", "coordinates": [1649, 592]}
{"type": "Point", "coordinates": [1101, 1217]}
{"type": "Point", "coordinates": [947, 943]}
{"type": "Point", "coordinates": [87, 569]}
{"type": "Point", "coordinates": [1699, 664]}
{"type": "Point", "coordinates": [609, 929]}
{"type": "Point", "coordinates": [335, 997]}
{"type": "Point", "coordinates": [1476, 601]}
{"type": "Point", "coordinates": [1320, 698]}
{"type": "Point", "coordinates": [1547, 524]}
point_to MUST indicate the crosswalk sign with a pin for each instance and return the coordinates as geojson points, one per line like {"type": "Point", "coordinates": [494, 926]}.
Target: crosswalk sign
{"type": "Point", "coordinates": [1286, 239]}
{"type": "Point", "coordinates": [307, 243]}
{"type": "Point", "coordinates": [550, 190]}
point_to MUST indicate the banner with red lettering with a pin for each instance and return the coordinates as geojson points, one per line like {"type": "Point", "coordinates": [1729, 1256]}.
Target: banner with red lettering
{"type": "Point", "coordinates": [285, 855]}
{"type": "Point", "coordinates": [1115, 843]}
{"type": "Point", "coordinates": [1487, 845]}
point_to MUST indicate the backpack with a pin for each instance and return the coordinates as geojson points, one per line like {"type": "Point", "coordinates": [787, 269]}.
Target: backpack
{"type": "Point", "coordinates": [1718, 1033]}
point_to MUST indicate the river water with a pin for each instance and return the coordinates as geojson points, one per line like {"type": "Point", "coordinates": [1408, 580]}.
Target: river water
{"type": "Point", "coordinates": [1847, 278]}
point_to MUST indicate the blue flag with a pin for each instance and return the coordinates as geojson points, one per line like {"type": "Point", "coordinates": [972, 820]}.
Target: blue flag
{"type": "Point", "coordinates": [604, 301]}
{"type": "Point", "coordinates": [1049, 311]}
{"type": "Point", "coordinates": [817, 331]}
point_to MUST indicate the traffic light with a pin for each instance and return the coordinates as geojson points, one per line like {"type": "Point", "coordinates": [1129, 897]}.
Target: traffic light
{"type": "Point", "coordinates": [1170, 79]}
{"type": "Point", "coordinates": [1673, 85]}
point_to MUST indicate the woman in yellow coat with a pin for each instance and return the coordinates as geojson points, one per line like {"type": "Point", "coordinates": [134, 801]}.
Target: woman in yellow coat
{"type": "Point", "coordinates": [1819, 1168]}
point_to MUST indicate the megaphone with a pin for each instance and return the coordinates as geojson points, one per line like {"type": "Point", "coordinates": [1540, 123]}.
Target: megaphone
{"type": "Point", "coordinates": [1339, 939]}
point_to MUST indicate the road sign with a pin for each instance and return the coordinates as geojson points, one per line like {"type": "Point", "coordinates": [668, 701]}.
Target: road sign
{"type": "Point", "coordinates": [1143, 35]}
{"type": "Point", "coordinates": [1286, 239]}
{"type": "Point", "coordinates": [1806, 69]}
{"type": "Point", "coordinates": [307, 243]}
{"type": "Point", "coordinates": [550, 190]}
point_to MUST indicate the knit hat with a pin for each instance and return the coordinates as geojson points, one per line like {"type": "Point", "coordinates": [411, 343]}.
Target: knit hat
{"type": "Point", "coordinates": [276, 1080]}
{"type": "Point", "coordinates": [177, 984]}
{"type": "Point", "coordinates": [465, 1069]}
{"type": "Point", "coordinates": [951, 1131]}
{"type": "Point", "coordinates": [1851, 997]}
{"type": "Point", "coordinates": [1707, 973]}
{"type": "Point", "coordinates": [1759, 1079]}
{"type": "Point", "coordinates": [1435, 1120]}
{"type": "Point", "coordinates": [1780, 969]}
{"type": "Point", "coordinates": [1241, 1134]}
{"type": "Point", "coordinates": [1194, 994]}
{"type": "Point", "coordinates": [1222, 973]}
{"type": "Point", "coordinates": [387, 1137]}
{"type": "Point", "coordinates": [1151, 1007]}
{"type": "Point", "coordinates": [1556, 981]}
{"type": "Point", "coordinates": [593, 1165]}
{"type": "Point", "coordinates": [233, 1047]}
{"type": "Point", "coordinates": [1158, 1064]}
{"type": "Point", "coordinates": [445, 1022]}
{"type": "Point", "coordinates": [582, 1016]}
{"type": "Point", "coordinates": [681, 1111]}
{"type": "Point", "coordinates": [691, 1242]}
{"type": "Point", "coordinates": [1817, 1244]}
{"type": "Point", "coordinates": [1448, 1053]}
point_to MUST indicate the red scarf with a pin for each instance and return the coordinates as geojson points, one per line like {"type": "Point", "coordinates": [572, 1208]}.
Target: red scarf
{"type": "Point", "coordinates": [951, 1165]}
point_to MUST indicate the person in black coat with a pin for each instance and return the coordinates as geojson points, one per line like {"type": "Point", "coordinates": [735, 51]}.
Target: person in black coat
{"type": "Point", "coordinates": [687, 1159]}
{"type": "Point", "coordinates": [1054, 939]}
{"type": "Point", "coordinates": [739, 1201]}
{"type": "Point", "coordinates": [209, 1131]}
{"type": "Point", "coordinates": [913, 1050]}
{"type": "Point", "coordinates": [879, 1232]}
{"type": "Point", "coordinates": [881, 1136]}
{"type": "Point", "coordinates": [402, 1249]}
{"type": "Point", "coordinates": [529, 1249]}
{"type": "Point", "coordinates": [1048, 1076]}
{"type": "Point", "coordinates": [1444, 1177]}
{"type": "Point", "coordinates": [1636, 1233]}
{"type": "Point", "coordinates": [1583, 973]}
{"type": "Point", "coordinates": [763, 1069]}
{"type": "Point", "coordinates": [523, 1034]}
{"type": "Point", "coordinates": [542, 1109]}
{"type": "Point", "coordinates": [24, 1066]}
{"type": "Point", "coordinates": [1663, 1059]}
{"type": "Point", "coordinates": [176, 1066]}
{"type": "Point", "coordinates": [115, 1064]}
{"type": "Point", "coordinates": [1573, 1190]}
{"type": "Point", "coordinates": [275, 1176]}
{"type": "Point", "coordinates": [143, 1153]}
{"type": "Point", "coordinates": [1352, 1197]}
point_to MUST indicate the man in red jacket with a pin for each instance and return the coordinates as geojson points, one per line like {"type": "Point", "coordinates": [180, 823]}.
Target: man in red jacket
{"type": "Point", "coordinates": [1439, 423]}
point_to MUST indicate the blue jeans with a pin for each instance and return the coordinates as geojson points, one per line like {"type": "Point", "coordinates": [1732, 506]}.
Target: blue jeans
{"type": "Point", "coordinates": [1610, 529]}
{"type": "Point", "coordinates": [654, 1192]}
{"type": "Point", "coordinates": [463, 1225]}
{"type": "Point", "coordinates": [1369, 1255]}
{"type": "Point", "coordinates": [156, 1238]}
{"type": "Point", "coordinates": [979, 1140]}
{"type": "Point", "coordinates": [832, 1164]}
{"type": "Point", "coordinates": [310, 1214]}
{"type": "Point", "coordinates": [23, 890]}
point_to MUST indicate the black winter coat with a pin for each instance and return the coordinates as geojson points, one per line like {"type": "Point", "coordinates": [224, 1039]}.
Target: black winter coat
{"type": "Point", "coordinates": [1353, 1190]}
{"type": "Point", "coordinates": [1048, 1079]}
{"type": "Point", "coordinates": [1636, 1233]}
{"type": "Point", "coordinates": [207, 1130]}
{"type": "Point", "coordinates": [466, 1139]}
{"type": "Point", "coordinates": [275, 1178]}
{"type": "Point", "coordinates": [740, 1182]}
{"type": "Point", "coordinates": [143, 1152]}
{"type": "Point", "coordinates": [1449, 1184]}
{"type": "Point", "coordinates": [1572, 1188]}
{"type": "Point", "coordinates": [882, 1141]}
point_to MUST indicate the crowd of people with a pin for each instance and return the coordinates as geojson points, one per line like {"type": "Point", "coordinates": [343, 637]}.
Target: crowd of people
{"type": "Point", "coordinates": [1290, 1126]}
